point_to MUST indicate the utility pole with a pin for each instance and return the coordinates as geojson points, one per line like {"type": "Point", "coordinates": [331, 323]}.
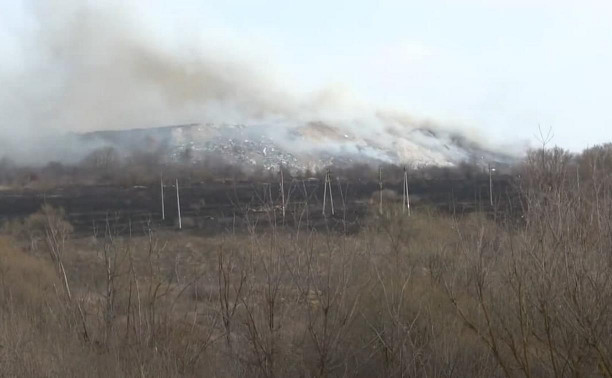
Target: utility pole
{"type": "Point", "coordinates": [282, 189]}
{"type": "Point", "coordinates": [178, 205]}
{"type": "Point", "coordinates": [331, 198]}
{"type": "Point", "coordinates": [491, 170]}
{"type": "Point", "coordinates": [380, 191]}
{"type": "Point", "coordinates": [270, 196]}
{"type": "Point", "coordinates": [161, 182]}
{"type": "Point", "coordinates": [406, 196]}
{"type": "Point", "coordinates": [325, 192]}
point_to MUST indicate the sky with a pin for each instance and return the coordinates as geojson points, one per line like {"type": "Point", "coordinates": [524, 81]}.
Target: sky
{"type": "Point", "coordinates": [499, 68]}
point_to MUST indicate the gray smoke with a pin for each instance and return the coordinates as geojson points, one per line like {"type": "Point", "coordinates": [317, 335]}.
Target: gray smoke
{"type": "Point", "coordinates": [88, 67]}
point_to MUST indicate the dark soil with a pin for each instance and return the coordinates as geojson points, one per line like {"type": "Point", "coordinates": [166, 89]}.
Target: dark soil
{"type": "Point", "coordinates": [214, 207]}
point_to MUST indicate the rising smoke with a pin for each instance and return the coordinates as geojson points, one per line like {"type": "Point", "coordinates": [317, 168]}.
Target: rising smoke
{"type": "Point", "coordinates": [89, 67]}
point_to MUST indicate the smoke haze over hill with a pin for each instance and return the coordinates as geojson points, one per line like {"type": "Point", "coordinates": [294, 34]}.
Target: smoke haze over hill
{"type": "Point", "coordinates": [83, 68]}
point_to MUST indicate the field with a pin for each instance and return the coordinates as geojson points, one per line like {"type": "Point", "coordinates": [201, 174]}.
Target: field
{"type": "Point", "coordinates": [511, 290]}
{"type": "Point", "coordinates": [217, 206]}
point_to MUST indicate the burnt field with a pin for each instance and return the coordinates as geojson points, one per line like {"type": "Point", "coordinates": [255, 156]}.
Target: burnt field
{"type": "Point", "coordinates": [221, 206]}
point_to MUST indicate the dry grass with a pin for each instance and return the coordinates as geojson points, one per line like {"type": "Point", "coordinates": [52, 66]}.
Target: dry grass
{"type": "Point", "coordinates": [274, 304]}
{"type": "Point", "coordinates": [426, 295]}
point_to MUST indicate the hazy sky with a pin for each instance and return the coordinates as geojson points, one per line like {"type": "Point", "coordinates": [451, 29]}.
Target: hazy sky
{"type": "Point", "coordinates": [501, 67]}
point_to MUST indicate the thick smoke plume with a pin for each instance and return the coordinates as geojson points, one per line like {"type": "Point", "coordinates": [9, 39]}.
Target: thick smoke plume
{"type": "Point", "coordinates": [85, 68]}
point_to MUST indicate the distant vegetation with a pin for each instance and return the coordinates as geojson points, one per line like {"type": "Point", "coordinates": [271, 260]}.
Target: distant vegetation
{"type": "Point", "coordinates": [426, 295]}
{"type": "Point", "coordinates": [106, 166]}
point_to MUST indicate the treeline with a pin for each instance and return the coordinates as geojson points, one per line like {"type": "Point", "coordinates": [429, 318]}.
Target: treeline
{"type": "Point", "coordinates": [107, 166]}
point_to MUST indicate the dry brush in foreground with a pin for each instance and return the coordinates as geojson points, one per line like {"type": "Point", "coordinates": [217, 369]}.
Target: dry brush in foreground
{"type": "Point", "coordinates": [426, 295]}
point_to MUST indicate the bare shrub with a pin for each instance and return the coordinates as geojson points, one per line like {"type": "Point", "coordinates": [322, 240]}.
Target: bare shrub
{"type": "Point", "coordinates": [425, 295]}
